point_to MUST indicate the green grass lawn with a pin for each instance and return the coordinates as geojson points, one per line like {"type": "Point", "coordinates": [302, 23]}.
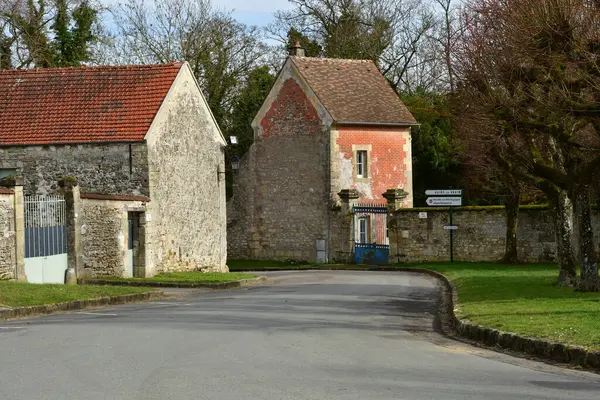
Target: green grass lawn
{"type": "Point", "coordinates": [258, 265]}
{"type": "Point", "coordinates": [192, 277]}
{"type": "Point", "coordinates": [524, 299]}
{"type": "Point", "coordinates": [16, 294]}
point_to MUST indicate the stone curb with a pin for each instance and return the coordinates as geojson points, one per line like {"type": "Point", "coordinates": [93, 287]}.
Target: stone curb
{"type": "Point", "coordinates": [540, 348]}
{"type": "Point", "coordinates": [452, 325]}
{"type": "Point", "coordinates": [32, 311]}
{"type": "Point", "coordinates": [184, 285]}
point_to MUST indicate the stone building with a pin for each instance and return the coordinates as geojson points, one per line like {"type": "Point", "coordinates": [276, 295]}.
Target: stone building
{"type": "Point", "coordinates": [328, 126]}
{"type": "Point", "coordinates": [147, 155]}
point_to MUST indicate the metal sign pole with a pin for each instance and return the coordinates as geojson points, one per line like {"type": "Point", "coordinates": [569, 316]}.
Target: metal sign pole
{"type": "Point", "coordinates": [451, 238]}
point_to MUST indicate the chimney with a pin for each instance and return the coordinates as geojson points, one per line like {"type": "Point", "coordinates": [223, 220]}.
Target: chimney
{"type": "Point", "coordinates": [297, 50]}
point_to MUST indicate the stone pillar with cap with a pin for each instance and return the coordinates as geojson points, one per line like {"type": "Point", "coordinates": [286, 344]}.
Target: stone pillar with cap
{"type": "Point", "coordinates": [395, 199]}
{"type": "Point", "coordinates": [70, 191]}
{"type": "Point", "coordinates": [345, 247]}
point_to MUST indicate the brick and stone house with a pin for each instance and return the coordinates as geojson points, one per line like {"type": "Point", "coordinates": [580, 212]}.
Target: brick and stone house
{"type": "Point", "coordinates": [145, 150]}
{"type": "Point", "coordinates": [328, 126]}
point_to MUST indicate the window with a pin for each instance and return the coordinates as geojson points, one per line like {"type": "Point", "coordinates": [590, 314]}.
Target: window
{"type": "Point", "coordinates": [363, 230]}
{"type": "Point", "coordinates": [361, 164]}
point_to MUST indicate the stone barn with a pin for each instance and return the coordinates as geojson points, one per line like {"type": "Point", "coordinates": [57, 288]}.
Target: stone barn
{"type": "Point", "coordinates": [331, 133]}
{"type": "Point", "coordinates": [141, 159]}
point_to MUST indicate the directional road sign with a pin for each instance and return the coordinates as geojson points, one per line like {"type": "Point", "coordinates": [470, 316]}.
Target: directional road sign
{"type": "Point", "coordinates": [444, 192]}
{"type": "Point", "coordinates": [444, 201]}
{"type": "Point", "coordinates": [450, 227]}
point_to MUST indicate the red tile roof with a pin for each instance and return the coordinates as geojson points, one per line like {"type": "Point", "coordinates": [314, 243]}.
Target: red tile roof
{"type": "Point", "coordinates": [353, 90]}
{"type": "Point", "coordinates": [118, 197]}
{"type": "Point", "coordinates": [4, 190]}
{"type": "Point", "coordinates": [81, 105]}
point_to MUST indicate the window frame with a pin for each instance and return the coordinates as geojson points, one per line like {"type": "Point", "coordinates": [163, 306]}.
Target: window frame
{"type": "Point", "coordinates": [361, 164]}
{"type": "Point", "coordinates": [365, 161]}
{"type": "Point", "coordinates": [367, 229]}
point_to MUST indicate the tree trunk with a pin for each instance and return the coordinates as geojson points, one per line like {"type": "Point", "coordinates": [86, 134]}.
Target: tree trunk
{"type": "Point", "coordinates": [589, 280]}
{"type": "Point", "coordinates": [563, 218]}
{"type": "Point", "coordinates": [511, 203]}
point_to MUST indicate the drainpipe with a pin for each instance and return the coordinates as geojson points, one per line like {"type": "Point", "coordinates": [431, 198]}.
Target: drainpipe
{"type": "Point", "coordinates": [329, 198]}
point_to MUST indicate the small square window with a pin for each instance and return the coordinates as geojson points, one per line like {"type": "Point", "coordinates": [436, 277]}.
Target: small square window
{"type": "Point", "coordinates": [361, 164]}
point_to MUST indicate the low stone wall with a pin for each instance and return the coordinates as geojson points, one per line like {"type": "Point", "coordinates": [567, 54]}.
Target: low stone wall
{"type": "Point", "coordinates": [481, 234]}
{"type": "Point", "coordinates": [7, 235]}
{"type": "Point", "coordinates": [105, 236]}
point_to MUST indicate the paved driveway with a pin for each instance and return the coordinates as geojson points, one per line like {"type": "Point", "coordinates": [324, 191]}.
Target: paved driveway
{"type": "Point", "coordinates": [304, 335]}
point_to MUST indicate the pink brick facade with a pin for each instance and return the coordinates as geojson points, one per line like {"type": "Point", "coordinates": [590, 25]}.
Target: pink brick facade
{"type": "Point", "coordinates": [388, 166]}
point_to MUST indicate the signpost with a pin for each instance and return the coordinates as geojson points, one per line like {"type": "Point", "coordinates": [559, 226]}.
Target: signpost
{"type": "Point", "coordinates": [446, 198]}
{"type": "Point", "coordinates": [444, 201]}
{"type": "Point", "coordinates": [448, 192]}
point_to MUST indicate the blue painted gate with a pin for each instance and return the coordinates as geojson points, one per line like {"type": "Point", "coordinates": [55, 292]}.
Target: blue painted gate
{"type": "Point", "coordinates": [371, 244]}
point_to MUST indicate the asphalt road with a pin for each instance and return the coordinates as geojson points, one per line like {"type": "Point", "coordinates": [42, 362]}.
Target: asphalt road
{"type": "Point", "coordinates": [305, 335]}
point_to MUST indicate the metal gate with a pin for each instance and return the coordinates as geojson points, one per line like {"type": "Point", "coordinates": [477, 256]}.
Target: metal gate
{"type": "Point", "coordinates": [45, 239]}
{"type": "Point", "coordinates": [371, 243]}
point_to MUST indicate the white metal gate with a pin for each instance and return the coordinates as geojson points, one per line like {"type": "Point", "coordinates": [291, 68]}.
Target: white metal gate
{"type": "Point", "coordinates": [45, 239]}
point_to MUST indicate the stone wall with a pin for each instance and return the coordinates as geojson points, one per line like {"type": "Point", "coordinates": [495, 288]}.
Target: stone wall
{"type": "Point", "coordinates": [281, 204]}
{"type": "Point", "coordinates": [102, 168]}
{"type": "Point", "coordinates": [480, 236]}
{"type": "Point", "coordinates": [104, 238]}
{"type": "Point", "coordinates": [186, 162]}
{"type": "Point", "coordinates": [7, 237]}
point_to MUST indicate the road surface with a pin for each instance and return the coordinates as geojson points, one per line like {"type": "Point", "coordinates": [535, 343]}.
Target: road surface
{"type": "Point", "coordinates": [304, 335]}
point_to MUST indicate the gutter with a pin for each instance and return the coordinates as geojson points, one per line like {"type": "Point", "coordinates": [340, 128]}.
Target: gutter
{"type": "Point", "coordinates": [403, 124]}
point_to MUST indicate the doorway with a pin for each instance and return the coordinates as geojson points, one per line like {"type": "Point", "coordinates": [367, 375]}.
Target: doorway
{"type": "Point", "coordinates": [135, 245]}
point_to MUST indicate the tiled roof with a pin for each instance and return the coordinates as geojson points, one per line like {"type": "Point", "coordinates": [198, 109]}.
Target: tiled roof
{"type": "Point", "coordinates": [81, 105]}
{"type": "Point", "coordinates": [4, 190]}
{"type": "Point", "coordinates": [117, 197]}
{"type": "Point", "coordinates": [353, 90]}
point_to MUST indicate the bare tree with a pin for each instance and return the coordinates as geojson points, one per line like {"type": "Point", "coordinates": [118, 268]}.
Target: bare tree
{"type": "Point", "coordinates": [389, 32]}
{"type": "Point", "coordinates": [530, 66]}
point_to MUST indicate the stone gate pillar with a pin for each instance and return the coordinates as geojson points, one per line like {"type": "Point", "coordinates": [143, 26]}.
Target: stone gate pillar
{"type": "Point", "coordinates": [70, 191]}
{"type": "Point", "coordinates": [345, 246]}
{"type": "Point", "coordinates": [19, 207]}
{"type": "Point", "coordinates": [395, 199]}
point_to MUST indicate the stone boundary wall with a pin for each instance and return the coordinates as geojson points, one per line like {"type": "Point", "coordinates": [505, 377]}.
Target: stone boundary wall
{"type": "Point", "coordinates": [480, 236]}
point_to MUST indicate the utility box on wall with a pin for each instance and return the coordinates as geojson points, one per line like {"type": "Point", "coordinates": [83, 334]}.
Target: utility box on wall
{"type": "Point", "coordinates": [321, 251]}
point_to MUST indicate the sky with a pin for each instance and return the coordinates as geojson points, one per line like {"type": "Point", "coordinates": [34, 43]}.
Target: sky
{"type": "Point", "coordinates": [250, 12]}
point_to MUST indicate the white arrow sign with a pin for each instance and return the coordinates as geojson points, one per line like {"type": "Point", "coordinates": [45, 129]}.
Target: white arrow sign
{"type": "Point", "coordinates": [450, 227]}
{"type": "Point", "coordinates": [445, 192]}
{"type": "Point", "coordinates": [444, 201]}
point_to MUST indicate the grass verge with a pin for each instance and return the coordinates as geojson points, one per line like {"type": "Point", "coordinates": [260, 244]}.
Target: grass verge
{"type": "Point", "coordinates": [17, 294]}
{"type": "Point", "coordinates": [258, 265]}
{"type": "Point", "coordinates": [524, 299]}
{"type": "Point", "coordinates": [192, 277]}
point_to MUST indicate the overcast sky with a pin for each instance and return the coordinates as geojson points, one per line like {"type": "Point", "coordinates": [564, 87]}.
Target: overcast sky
{"type": "Point", "coordinates": [250, 12]}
